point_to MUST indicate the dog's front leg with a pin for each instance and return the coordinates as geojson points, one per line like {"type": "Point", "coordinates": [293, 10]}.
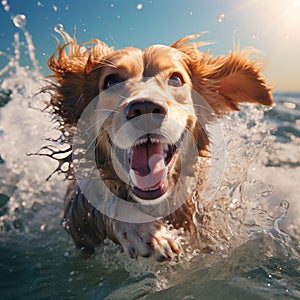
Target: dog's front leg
{"type": "Point", "coordinates": [82, 221]}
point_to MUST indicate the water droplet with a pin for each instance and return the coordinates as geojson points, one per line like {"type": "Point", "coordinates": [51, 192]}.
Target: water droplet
{"type": "Point", "coordinates": [289, 105]}
{"type": "Point", "coordinates": [43, 227]}
{"type": "Point", "coordinates": [196, 252]}
{"type": "Point", "coordinates": [65, 224]}
{"type": "Point", "coordinates": [58, 28]}
{"type": "Point", "coordinates": [221, 18]}
{"type": "Point", "coordinates": [191, 13]}
{"type": "Point", "coordinates": [284, 206]}
{"type": "Point", "coordinates": [54, 7]}
{"type": "Point", "coordinates": [189, 249]}
{"type": "Point", "coordinates": [19, 20]}
{"type": "Point", "coordinates": [5, 5]}
{"type": "Point", "coordinates": [139, 6]}
{"type": "Point", "coordinates": [40, 4]}
{"type": "Point", "coordinates": [268, 191]}
{"type": "Point", "coordinates": [256, 35]}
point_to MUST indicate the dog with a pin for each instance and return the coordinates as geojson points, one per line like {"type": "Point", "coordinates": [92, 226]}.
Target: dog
{"type": "Point", "coordinates": [150, 137]}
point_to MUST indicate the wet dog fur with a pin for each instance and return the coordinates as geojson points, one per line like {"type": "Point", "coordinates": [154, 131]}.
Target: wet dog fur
{"type": "Point", "coordinates": [82, 72]}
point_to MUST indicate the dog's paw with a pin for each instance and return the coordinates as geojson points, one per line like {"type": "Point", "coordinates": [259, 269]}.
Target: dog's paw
{"type": "Point", "coordinates": [150, 239]}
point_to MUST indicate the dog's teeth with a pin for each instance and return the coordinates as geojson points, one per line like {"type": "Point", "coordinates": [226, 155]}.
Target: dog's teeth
{"type": "Point", "coordinates": [149, 190]}
{"type": "Point", "coordinates": [154, 141]}
{"type": "Point", "coordinates": [140, 141]}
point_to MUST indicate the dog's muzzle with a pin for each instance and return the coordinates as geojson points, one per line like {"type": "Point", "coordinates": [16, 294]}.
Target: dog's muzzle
{"type": "Point", "coordinates": [150, 155]}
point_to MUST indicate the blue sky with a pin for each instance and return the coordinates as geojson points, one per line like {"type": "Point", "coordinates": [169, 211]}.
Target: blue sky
{"type": "Point", "coordinates": [272, 26]}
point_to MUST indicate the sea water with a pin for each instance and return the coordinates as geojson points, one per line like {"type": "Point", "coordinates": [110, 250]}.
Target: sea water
{"type": "Point", "coordinates": [256, 257]}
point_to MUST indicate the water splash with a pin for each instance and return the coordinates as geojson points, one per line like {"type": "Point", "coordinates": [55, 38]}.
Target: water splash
{"type": "Point", "coordinates": [222, 223]}
{"type": "Point", "coordinates": [19, 21]}
{"type": "Point", "coordinates": [22, 128]}
{"type": "Point", "coordinates": [221, 18]}
{"type": "Point", "coordinates": [139, 6]}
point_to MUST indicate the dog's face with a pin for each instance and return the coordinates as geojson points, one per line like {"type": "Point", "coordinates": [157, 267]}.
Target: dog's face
{"type": "Point", "coordinates": [150, 99]}
{"type": "Point", "coordinates": [149, 94]}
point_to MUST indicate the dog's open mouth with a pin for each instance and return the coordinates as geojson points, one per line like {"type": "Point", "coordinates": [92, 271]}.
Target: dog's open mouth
{"type": "Point", "coordinates": [150, 161]}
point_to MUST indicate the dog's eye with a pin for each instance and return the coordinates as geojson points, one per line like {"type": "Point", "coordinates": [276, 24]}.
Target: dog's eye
{"type": "Point", "coordinates": [110, 81]}
{"type": "Point", "coordinates": [176, 80]}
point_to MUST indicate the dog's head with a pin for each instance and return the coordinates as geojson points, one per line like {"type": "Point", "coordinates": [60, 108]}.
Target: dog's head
{"type": "Point", "coordinates": [153, 106]}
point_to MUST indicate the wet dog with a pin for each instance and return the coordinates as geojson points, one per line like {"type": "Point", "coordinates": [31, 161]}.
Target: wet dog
{"type": "Point", "coordinates": [151, 131]}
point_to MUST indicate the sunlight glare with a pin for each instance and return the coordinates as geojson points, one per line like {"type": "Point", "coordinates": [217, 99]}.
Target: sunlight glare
{"type": "Point", "coordinates": [296, 3]}
{"type": "Point", "coordinates": [294, 11]}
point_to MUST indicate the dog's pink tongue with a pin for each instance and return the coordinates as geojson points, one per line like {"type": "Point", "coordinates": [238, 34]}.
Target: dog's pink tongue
{"type": "Point", "coordinates": [147, 166]}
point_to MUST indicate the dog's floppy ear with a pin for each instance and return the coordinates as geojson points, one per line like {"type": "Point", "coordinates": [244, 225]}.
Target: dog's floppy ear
{"type": "Point", "coordinates": [232, 79]}
{"type": "Point", "coordinates": [76, 84]}
{"type": "Point", "coordinates": [225, 81]}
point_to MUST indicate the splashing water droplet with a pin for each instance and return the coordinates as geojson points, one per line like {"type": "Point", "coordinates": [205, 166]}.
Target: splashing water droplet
{"type": "Point", "coordinates": [221, 18]}
{"type": "Point", "coordinates": [268, 191]}
{"type": "Point", "coordinates": [5, 5]}
{"type": "Point", "coordinates": [19, 20]}
{"type": "Point", "coordinates": [43, 227]}
{"type": "Point", "coordinates": [289, 105]}
{"type": "Point", "coordinates": [58, 28]}
{"type": "Point", "coordinates": [54, 7]}
{"type": "Point", "coordinates": [40, 4]}
{"type": "Point", "coordinates": [284, 206]}
{"type": "Point", "coordinates": [139, 6]}
{"type": "Point", "coordinates": [255, 35]}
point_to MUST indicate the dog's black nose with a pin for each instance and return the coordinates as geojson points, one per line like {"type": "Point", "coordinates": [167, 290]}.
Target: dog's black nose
{"type": "Point", "coordinates": [141, 107]}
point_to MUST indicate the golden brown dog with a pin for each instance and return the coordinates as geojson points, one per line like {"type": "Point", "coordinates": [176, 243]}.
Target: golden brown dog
{"type": "Point", "coordinates": [151, 108]}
